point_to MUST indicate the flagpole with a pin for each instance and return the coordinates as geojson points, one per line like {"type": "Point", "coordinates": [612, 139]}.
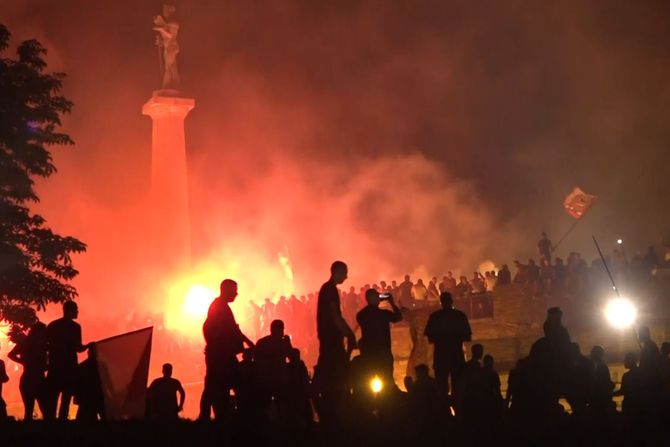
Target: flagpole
{"type": "Point", "coordinates": [616, 289]}
{"type": "Point", "coordinates": [572, 227]}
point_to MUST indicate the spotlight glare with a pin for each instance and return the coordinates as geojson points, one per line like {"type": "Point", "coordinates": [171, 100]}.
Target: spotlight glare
{"type": "Point", "coordinates": [376, 384]}
{"type": "Point", "coordinates": [621, 313]}
{"type": "Point", "coordinates": [619, 241]}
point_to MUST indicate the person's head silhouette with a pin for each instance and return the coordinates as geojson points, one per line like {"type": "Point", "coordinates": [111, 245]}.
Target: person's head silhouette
{"type": "Point", "coordinates": [644, 334]}
{"type": "Point", "coordinates": [70, 310]}
{"type": "Point", "coordinates": [167, 370]}
{"type": "Point", "coordinates": [294, 355]}
{"type": "Point", "coordinates": [338, 272]}
{"type": "Point", "coordinates": [228, 290]}
{"type": "Point", "coordinates": [277, 328]}
{"type": "Point", "coordinates": [372, 297]}
{"type": "Point", "coordinates": [446, 300]}
{"type": "Point", "coordinates": [421, 371]}
{"type": "Point", "coordinates": [488, 361]}
{"type": "Point", "coordinates": [477, 351]}
{"type": "Point", "coordinates": [630, 360]}
{"type": "Point", "coordinates": [597, 354]}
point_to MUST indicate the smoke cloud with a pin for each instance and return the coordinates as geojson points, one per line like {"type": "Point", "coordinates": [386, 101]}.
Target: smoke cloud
{"type": "Point", "coordinates": [407, 137]}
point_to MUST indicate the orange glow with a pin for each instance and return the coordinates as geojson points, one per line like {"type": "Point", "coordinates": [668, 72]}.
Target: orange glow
{"type": "Point", "coordinates": [187, 295]}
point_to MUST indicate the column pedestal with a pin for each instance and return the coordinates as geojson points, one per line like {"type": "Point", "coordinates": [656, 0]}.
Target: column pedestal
{"type": "Point", "coordinates": [169, 178]}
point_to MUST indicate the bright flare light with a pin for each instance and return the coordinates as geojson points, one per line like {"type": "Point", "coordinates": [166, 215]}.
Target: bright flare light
{"type": "Point", "coordinates": [197, 301]}
{"type": "Point", "coordinates": [376, 384]}
{"type": "Point", "coordinates": [621, 313]}
{"type": "Point", "coordinates": [619, 241]}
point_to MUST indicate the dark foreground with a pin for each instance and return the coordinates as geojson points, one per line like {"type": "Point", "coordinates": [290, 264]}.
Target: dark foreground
{"type": "Point", "coordinates": [187, 433]}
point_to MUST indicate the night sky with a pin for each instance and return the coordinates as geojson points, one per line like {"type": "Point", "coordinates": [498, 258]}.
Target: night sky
{"type": "Point", "coordinates": [493, 110]}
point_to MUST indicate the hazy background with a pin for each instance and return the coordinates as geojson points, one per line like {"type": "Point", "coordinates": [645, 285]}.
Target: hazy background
{"type": "Point", "coordinates": [405, 136]}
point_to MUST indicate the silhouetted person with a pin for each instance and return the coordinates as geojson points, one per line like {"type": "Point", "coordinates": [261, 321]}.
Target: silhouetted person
{"type": "Point", "coordinates": [64, 341]}
{"type": "Point", "coordinates": [469, 386]}
{"type": "Point", "coordinates": [632, 389]}
{"type": "Point", "coordinates": [504, 276]}
{"type": "Point", "coordinates": [247, 396]}
{"type": "Point", "coordinates": [224, 340]}
{"type": "Point", "coordinates": [31, 353]}
{"type": "Point", "coordinates": [447, 329]}
{"type": "Point", "coordinates": [519, 397]}
{"type": "Point", "coordinates": [600, 402]}
{"type": "Point", "coordinates": [332, 330]}
{"type": "Point", "coordinates": [298, 405]}
{"type": "Point", "coordinates": [650, 369]}
{"type": "Point", "coordinates": [423, 397]}
{"type": "Point", "coordinates": [88, 390]}
{"type": "Point", "coordinates": [548, 361]}
{"type": "Point", "coordinates": [578, 385]}
{"type": "Point", "coordinates": [545, 248]}
{"type": "Point", "coordinates": [162, 396]}
{"type": "Point", "coordinates": [375, 342]}
{"type": "Point", "coordinates": [492, 401]}
{"type": "Point", "coordinates": [270, 357]}
{"type": "Point", "coordinates": [4, 378]}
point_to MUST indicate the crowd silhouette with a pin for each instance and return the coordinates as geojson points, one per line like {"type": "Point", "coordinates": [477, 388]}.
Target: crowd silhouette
{"type": "Point", "coordinates": [554, 389]}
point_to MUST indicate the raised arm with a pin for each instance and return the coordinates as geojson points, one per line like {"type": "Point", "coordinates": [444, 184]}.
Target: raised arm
{"type": "Point", "coordinates": [397, 314]}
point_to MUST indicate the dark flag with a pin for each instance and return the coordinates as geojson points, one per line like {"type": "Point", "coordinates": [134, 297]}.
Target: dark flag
{"type": "Point", "coordinates": [123, 366]}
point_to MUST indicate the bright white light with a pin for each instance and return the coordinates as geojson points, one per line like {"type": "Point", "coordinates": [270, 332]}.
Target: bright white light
{"type": "Point", "coordinates": [376, 384]}
{"type": "Point", "coordinates": [197, 301]}
{"type": "Point", "coordinates": [619, 241]}
{"type": "Point", "coordinates": [621, 313]}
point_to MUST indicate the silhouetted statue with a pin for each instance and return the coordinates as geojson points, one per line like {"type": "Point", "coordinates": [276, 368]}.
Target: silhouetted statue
{"type": "Point", "coordinates": [162, 396]}
{"type": "Point", "coordinates": [168, 47]}
{"type": "Point", "coordinates": [447, 329]}
{"type": "Point", "coordinates": [4, 378]}
{"type": "Point", "coordinates": [330, 375]}
{"type": "Point", "coordinates": [270, 357]}
{"type": "Point", "coordinates": [31, 353]}
{"type": "Point", "coordinates": [88, 390]}
{"type": "Point", "coordinates": [375, 342]}
{"type": "Point", "coordinates": [64, 341]}
{"type": "Point", "coordinates": [223, 341]}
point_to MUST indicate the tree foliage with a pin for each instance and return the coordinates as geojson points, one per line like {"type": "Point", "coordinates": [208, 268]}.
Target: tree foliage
{"type": "Point", "coordinates": [35, 263]}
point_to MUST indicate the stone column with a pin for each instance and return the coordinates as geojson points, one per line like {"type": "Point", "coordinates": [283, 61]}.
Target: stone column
{"type": "Point", "coordinates": [169, 179]}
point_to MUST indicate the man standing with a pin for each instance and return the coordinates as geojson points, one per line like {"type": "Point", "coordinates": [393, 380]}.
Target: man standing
{"type": "Point", "coordinates": [64, 342]}
{"type": "Point", "coordinates": [224, 340]}
{"type": "Point", "coordinates": [332, 329]}
{"type": "Point", "coordinates": [447, 329]}
{"type": "Point", "coordinates": [375, 343]}
{"type": "Point", "coordinates": [162, 393]}
{"type": "Point", "coordinates": [544, 247]}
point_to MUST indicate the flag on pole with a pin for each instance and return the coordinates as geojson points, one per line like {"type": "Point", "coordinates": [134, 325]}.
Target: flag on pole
{"type": "Point", "coordinates": [123, 367]}
{"type": "Point", "coordinates": [577, 203]}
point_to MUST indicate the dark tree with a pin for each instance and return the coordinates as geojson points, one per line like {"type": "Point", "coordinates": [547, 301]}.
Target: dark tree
{"type": "Point", "coordinates": [35, 263]}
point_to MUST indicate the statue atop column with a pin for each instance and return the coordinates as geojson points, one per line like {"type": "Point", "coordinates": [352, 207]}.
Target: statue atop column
{"type": "Point", "coordinates": [168, 47]}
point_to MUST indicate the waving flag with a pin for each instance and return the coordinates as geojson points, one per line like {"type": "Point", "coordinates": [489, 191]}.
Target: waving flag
{"type": "Point", "coordinates": [577, 203]}
{"type": "Point", "coordinates": [123, 366]}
